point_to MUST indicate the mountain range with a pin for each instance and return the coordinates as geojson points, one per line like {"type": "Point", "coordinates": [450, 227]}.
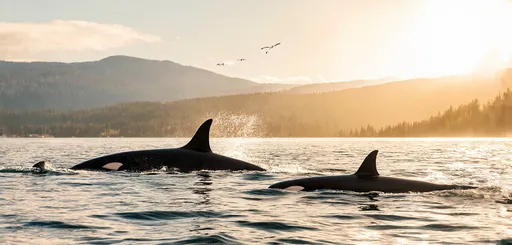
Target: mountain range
{"type": "Point", "coordinates": [119, 79]}
{"type": "Point", "coordinates": [276, 114]}
{"type": "Point", "coordinates": [122, 79]}
{"type": "Point", "coordinates": [115, 79]}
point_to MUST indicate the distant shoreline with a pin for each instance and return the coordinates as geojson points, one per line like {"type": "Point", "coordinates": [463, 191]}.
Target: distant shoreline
{"type": "Point", "coordinates": [277, 137]}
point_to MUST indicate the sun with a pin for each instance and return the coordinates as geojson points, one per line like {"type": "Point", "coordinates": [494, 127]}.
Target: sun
{"type": "Point", "coordinates": [463, 36]}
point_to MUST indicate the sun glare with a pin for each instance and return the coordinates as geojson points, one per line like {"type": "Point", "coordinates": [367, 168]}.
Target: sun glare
{"type": "Point", "coordinates": [462, 36]}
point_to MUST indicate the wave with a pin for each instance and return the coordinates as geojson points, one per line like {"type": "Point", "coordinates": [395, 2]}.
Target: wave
{"type": "Point", "coordinates": [27, 170]}
{"type": "Point", "coordinates": [56, 225]}
{"type": "Point", "coordinates": [220, 238]}
{"type": "Point", "coordinates": [273, 226]}
{"type": "Point", "coordinates": [163, 215]}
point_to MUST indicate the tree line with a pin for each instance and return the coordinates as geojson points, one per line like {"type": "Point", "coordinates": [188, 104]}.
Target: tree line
{"type": "Point", "coordinates": [493, 119]}
{"type": "Point", "coordinates": [278, 117]}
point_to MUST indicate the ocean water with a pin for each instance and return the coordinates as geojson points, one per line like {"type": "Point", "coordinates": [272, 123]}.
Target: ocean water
{"type": "Point", "coordinates": [82, 207]}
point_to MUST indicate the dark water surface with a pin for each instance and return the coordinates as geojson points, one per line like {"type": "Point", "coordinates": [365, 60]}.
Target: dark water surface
{"type": "Point", "coordinates": [80, 207]}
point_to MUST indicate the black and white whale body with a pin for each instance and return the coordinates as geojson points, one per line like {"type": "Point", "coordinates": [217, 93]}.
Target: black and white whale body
{"type": "Point", "coordinates": [196, 155]}
{"type": "Point", "coordinates": [366, 179]}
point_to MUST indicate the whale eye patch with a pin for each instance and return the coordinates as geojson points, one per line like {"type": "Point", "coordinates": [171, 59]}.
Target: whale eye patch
{"type": "Point", "coordinates": [295, 188]}
{"type": "Point", "coordinates": [112, 165]}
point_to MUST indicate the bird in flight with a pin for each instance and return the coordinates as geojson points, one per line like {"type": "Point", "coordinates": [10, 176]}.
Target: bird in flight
{"type": "Point", "coordinates": [242, 59]}
{"type": "Point", "coordinates": [220, 64]}
{"type": "Point", "coordinates": [270, 47]}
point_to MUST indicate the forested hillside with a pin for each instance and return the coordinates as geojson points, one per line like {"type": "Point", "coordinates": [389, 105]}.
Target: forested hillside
{"type": "Point", "coordinates": [492, 119]}
{"type": "Point", "coordinates": [264, 114]}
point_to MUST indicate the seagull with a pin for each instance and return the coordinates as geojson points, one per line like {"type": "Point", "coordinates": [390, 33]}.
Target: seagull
{"type": "Point", "coordinates": [242, 59]}
{"type": "Point", "coordinates": [220, 64]}
{"type": "Point", "coordinates": [270, 47]}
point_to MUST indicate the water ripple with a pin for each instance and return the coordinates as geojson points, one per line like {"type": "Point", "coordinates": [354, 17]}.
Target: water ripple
{"type": "Point", "coordinates": [59, 225]}
{"type": "Point", "coordinates": [215, 239]}
{"type": "Point", "coordinates": [443, 227]}
{"type": "Point", "coordinates": [273, 226]}
{"type": "Point", "coordinates": [298, 241]}
{"type": "Point", "coordinates": [390, 217]}
{"type": "Point", "coordinates": [266, 192]}
{"type": "Point", "coordinates": [433, 227]}
{"type": "Point", "coordinates": [163, 215]}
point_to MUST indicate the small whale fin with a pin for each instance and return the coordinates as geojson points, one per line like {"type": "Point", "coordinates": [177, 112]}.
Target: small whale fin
{"type": "Point", "coordinates": [369, 166]}
{"type": "Point", "coordinates": [201, 140]}
{"type": "Point", "coordinates": [40, 165]}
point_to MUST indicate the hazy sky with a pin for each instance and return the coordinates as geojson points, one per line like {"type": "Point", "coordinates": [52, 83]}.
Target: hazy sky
{"type": "Point", "coordinates": [322, 40]}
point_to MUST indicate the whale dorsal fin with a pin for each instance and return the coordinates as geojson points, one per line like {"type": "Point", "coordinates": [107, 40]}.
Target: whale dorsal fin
{"type": "Point", "coordinates": [201, 140]}
{"type": "Point", "coordinates": [369, 166]}
{"type": "Point", "coordinates": [40, 164]}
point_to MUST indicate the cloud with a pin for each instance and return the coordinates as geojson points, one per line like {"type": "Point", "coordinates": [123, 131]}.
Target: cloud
{"type": "Point", "coordinates": [289, 80]}
{"type": "Point", "coordinates": [322, 79]}
{"type": "Point", "coordinates": [21, 40]}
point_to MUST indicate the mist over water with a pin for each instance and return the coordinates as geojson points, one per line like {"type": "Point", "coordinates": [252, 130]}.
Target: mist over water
{"type": "Point", "coordinates": [236, 125]}
{"type": "Point", "coordinates": [69, 207]}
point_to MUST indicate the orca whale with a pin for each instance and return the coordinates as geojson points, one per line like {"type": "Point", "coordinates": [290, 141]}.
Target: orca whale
{"type": "Point", "coordinates": [196, 155]}
{"type": "Point", "coordinates": [366, 179]}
